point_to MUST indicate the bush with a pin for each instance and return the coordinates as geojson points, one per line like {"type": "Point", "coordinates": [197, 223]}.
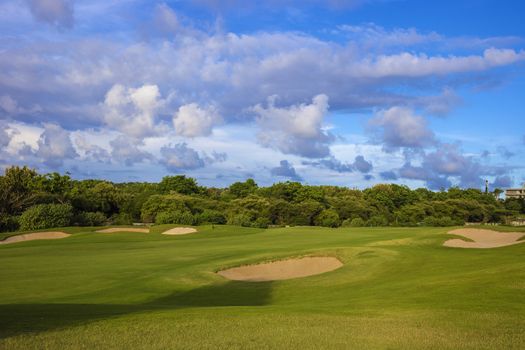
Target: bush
{"type": "Point", "coordinates": [8, 223]}
{"type": "Point", "coordinates": [87, 218]}
{"type": "Point", "coordinates": [261, 222]}
{"type": "Point", "coordinates": [377, 220]}
{"type": "Point", "coordinates": [355, 222]}
{"type": "Point", "coordinates": [175, 217]}
{"type": "Point", "coordinates": [327, 218]}
{"type": "Point", "coordinates": [209, 216]}
{"type": "Point", "coordinates": [440, 221]}
{"type": "Point", "coordinates": [43, 216]}
{"type": "Point", "coordinates": [122, 219]}
{"type": "Point", "coordinates": [241, 219]}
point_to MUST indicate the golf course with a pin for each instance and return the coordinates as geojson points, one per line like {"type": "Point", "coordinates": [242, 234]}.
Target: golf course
{"type": "Point", "coordinates": [395, 288]}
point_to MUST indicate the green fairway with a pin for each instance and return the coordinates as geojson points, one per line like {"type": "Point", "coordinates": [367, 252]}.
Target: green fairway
{"type": "Point", "coordinates": [399, 288]}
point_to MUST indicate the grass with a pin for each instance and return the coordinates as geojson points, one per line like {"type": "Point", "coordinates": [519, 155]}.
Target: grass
{"type": "Point", "coordinates": [399, 288]}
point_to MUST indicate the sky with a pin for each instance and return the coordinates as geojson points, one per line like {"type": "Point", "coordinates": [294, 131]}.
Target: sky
{"type": "Point", "coordinates": [350, 93]}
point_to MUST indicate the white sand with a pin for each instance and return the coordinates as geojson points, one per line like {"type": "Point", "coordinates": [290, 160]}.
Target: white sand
{"type": "Point", "coordinates": [483, 238]}
{"type": "Point", "coordinates": [34, 236]}
{"type": "Point", "coordinates": [123, 229]}
{"type": "Point", "coordinates": [179, 231]}
{"type": "Point", "coordinates": [282, 270]}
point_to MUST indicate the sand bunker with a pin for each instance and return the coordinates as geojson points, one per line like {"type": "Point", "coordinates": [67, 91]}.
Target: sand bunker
{"type": "Point", "coordinates": [282, 270]}
{"type": "Point", "coordinates": [483, 238]}
{"type": "Point", "coordinates": [34, 236]}
{"type": "Point", "coordinates": [123, 229]}
{"type": "Point", "coordinates": [179, 231]}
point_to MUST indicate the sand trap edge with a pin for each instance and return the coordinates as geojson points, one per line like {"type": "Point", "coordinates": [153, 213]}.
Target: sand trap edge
{"type": "Point", "coordinates": [123, 229]}
{"type": "Point", "coordinates": [179, 231]}
{"type": "Point", "coordinates": [483, 238]}
{"type": "Point", "coordinates": [283, 269]}
{"type": "Point", "coordinates": [25, 237]}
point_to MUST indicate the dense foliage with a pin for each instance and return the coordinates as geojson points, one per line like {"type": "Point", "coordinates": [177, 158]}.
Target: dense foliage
{"type": "Point", "coordinates": [29, 200]}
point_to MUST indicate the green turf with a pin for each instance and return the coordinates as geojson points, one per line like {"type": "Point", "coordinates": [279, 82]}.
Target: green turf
{"type": "Point", "coordinates": [399, 288]}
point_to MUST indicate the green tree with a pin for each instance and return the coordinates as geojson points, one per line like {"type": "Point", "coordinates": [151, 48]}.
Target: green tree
{"type": "Point", "coordinates": [328, 218]}
{"type": "Point", "coordinates": [243, 189]}
{"type": "Point", "coordinates": [18, 190]}
{"type": "Point", "coordinates": [180, 184]}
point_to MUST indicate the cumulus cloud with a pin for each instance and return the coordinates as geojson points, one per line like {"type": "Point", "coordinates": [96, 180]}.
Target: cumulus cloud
{"type": "Point", "coordinates": [332, 164]}
{"type": "Point", "coordinates": [126, 149]}
{"type": "Point", "coordinates": [180, 157]}
{"type": "Point", "coordinates": [234, 71]}
{"type": "Point", "coordinates": [5, 137]}
{"type": "Point", "coordinates": [388, 175]}
{"type": "Point", "coordinates": [58, 13]}
{"type": "Point", "coordinates": [91, 151]}
{"type": "Point", "coordinates": [399, 127]}
{"type": "Point", "coordinates": [286, 169]}
{"type": "Point", "coordinates": [502, 182]}
{"type": "Point", "coordinates": [55, 146]}
{"type": "Point", "coordinates": [107, 82]}
{"type": "Point", "coordinates": [296, 129]}
{"type": "Point", "coordinates": [360, 164]}
{"type": "Point", "coordinates": [442, 104]}
{"type": "Point", "coordinates": [132, 111]}
{"type": "Point", "coordinates": [191, 120]}
{"type": "Point", "coordinates": [447, 163]}
{"type": "Point", "coordinates": [433, 180]}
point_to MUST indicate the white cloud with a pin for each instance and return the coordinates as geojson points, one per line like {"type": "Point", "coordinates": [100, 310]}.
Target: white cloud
{"type": "Point", "coordinates": [91, 151]}
{"type": "Point", "coordinates": [191, 120]}
{"type": "Point", "coordinates": [399, 127]}
{"type": "Point", "coordinates": [296, 129]}
{"type": "Point", "coordinates": [411, 65]}
{"type": "Point", "coordinates": [126, 149]}
{"type": "Point", "coordinates": [5, 135]}
{"type": "Point", "coordinates": [55, 146]}
{"type": "Point", "coordinates": [181, 157]}
{"type": "Point", "coordinates": [132, 111]}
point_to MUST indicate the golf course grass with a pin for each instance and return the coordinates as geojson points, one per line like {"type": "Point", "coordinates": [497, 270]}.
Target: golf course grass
{"type": "Point", "coordinates": [399, 288]}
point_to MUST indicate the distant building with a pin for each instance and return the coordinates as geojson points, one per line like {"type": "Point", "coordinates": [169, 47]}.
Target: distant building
{"type": "Point", "coordinates": [515, 192]}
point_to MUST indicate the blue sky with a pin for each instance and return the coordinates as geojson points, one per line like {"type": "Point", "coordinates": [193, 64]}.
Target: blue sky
{"type": "Point", "coordinates": [353, 93]}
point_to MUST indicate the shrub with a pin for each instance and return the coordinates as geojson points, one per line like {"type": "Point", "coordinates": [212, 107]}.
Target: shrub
{"type": "Point", "coordinates": [327, 218]}
{"type": "Point", "coordinates": [440, 221]}
{"type": "Point", "coordinates": [175, 217]}
{"type": "Point", "coordinates": [261, 222]}
{"type": "Point", "coordinates": [241, 219]}
{"type": "Point", "coordinates": [355, 222]}
{"type": "Point", "coordinates": [122, 219]}
{"type": "Point", "coordinates": [43, 216]}
{"type": "Point", "coordinates": [377, 220]}
{"type": "Point", "coordinates": [87, 218]}
{"type": "Point", "coordinates": [209, 216]}
{"type": "Point", "coordinates": [8, 223]}
{"type": "Point", "coordinates": [157, 204]}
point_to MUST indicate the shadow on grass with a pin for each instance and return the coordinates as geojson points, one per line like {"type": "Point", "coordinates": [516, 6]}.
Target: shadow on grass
{"type": "Point", "coordinates": [30, 318]}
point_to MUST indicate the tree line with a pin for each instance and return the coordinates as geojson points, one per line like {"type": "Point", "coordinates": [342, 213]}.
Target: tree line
{"type": "Point", "coordinates": [29, 200]}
